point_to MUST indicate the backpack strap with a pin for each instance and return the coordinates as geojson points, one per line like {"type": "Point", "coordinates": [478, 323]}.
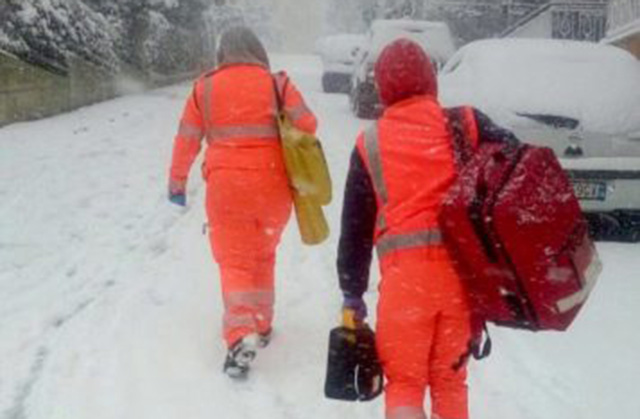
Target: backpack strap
{"type": "Point", "coordinates": [477, 347]}
{"type": "Point", "coordinates": [464, 133]}
{"type": "Point", "coordinates": [465, 140]}
{"type": "Point", "coordinates": [280, 84]}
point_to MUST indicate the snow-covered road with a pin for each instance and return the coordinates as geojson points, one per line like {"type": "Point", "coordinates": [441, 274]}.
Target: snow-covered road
{"type": "Point", "coordinates": [110, 306]}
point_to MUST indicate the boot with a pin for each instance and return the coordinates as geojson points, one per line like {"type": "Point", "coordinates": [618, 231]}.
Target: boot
{"type": "Point", "coordinates": [240, 356]}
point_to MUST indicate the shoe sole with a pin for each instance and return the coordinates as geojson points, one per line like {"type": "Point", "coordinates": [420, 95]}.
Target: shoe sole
{"type": "Point", "coordinates": [237, 373]}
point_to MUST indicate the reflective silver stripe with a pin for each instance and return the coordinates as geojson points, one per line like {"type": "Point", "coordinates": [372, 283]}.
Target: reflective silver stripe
{"type": "Point", "coordinates": [372, 146]}
{"type": "Point", "coordinates": [406, 412]}
{"type": "Point", "coordinates": [591, 276]}
{"type": "Point", "coordinates": [238, 320]}
{"type": "Point", "coordinates": [258, 303]}
{"type": "Point", "coordinates": [190, 131]}
{"type": "Point", "coordinates": [405, 241]}
{"type": "Point", "coordinates": [297, 112]}
{"type": "Point", "coordinates": [208, 89]}
{"type": "Point", "coordinates": [382, 222]}
{"type": "Point", "coordinates": [248, 298]}
{"type": "Point", "coordinates": [230, 132]}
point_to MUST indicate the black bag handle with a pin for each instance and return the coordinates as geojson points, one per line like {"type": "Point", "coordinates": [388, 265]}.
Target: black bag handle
{"type": "Point", "coordinates": [354, 372]}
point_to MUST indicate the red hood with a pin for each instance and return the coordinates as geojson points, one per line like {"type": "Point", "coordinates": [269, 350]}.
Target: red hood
{"type": "Point", "coordinates": [404, 70]}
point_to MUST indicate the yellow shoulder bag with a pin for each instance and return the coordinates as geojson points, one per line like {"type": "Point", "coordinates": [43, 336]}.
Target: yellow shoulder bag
{"type": "Point", "coordinates": [308, 175]}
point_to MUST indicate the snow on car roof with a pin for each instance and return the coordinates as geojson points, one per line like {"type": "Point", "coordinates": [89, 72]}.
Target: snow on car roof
{"type": "Point", "coordinates": [597, 84]}
{"type": "Point", "coordinates": [435, 37]}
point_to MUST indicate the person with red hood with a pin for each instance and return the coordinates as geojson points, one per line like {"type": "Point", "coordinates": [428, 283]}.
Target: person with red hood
{"type": "Point", "coordinates": [399, 173]}
{"type": "Point", "coordinates": [248, 200]}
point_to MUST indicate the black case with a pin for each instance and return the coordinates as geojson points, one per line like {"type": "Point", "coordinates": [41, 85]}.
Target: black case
{"type": "Point", "coordinates": [354, 372]}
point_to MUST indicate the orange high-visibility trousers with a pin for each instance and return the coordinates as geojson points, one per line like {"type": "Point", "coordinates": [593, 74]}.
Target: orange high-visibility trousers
{"type": "Point", "coordinates": [247, 211]}
{"type": "Point", "coordinates": [422, 331]}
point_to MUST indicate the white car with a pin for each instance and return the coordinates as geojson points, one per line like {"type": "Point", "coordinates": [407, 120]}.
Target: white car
{"type": "Point", "coordinates": [434, 37]}
{"type": "Point", "coordinates": [339, 53]}
{"type": "Point", "coordinates": [578, 98]}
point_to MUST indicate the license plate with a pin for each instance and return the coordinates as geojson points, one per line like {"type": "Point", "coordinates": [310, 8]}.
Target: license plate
{"type": "Point", "coordinates": [590, 191]}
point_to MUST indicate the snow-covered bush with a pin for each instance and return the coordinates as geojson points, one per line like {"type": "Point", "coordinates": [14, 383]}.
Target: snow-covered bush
{"type": "Point", "coordinates": [150, 36]}
{"type": "Point", "coordinates": [169, 49]}
{"type": "Point", "coordinates": [45, 31]}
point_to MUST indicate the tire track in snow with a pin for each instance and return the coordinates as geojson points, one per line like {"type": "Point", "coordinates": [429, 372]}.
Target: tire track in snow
{"type": "Point", "coordinates": [18, 408]}
{"type": "Point", "coordinates": [24, 390]}
{"type": "Point", "coordinates": [153, 244]}
{"type": "Point", "coordinates": [68, 301]}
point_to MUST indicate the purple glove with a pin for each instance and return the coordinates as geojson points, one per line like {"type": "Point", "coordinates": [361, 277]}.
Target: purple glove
{"type": "Point", "coordinates": [178, 199]}
{"type": "Point", "coordinates": [177, 192]}
{"type": "Point", "coordinates": [358, 306]}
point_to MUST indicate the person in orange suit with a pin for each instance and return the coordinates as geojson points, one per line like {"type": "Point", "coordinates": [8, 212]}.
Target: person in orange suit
{"type": "Point", "coordinates": [400, 171]}
{"type": "Point", "coordinates": [248, 199]}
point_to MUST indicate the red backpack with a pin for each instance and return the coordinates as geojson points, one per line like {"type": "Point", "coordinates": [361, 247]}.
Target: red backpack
{"type": "Point", "coordinates": [517, 235]}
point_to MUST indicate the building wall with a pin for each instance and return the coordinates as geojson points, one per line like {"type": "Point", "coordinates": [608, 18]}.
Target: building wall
{"type": "Point", "coordinates": [540, 27]}
{"type": "Point", "coordinates": [631, 44]}
{"type": "Point", "coordinates": [624, 25]}
{"type": "Point", "coordinates": [622, 14]}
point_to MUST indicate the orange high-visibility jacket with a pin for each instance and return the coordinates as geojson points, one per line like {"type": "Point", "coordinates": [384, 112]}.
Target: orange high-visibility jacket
{"type": "Point", "coordinates": [234, 108]}
{"type": "Point", "coordinates": [410, 159]}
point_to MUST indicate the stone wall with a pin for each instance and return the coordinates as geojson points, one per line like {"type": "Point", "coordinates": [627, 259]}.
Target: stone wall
{"type": "Point", "coordinates": [30, 92]}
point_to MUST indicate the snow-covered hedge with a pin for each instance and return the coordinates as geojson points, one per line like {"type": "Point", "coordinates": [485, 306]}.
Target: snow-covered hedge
{"type": "Point", "coordinates": [168, 49]}
{"type": "Point", "coordinates": [150, 36]}
{"type": "Point", "coordinates": [46, 31]}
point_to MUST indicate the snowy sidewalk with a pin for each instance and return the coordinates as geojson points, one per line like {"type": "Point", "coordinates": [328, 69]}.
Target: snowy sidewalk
{"type": "Point", "coordinates": [110, 302]}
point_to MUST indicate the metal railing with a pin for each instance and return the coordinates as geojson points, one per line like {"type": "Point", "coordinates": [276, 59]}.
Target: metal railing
{"type": "Point", "coordinates": [579, 21]}
{"type": "Point", "coordinates": [582, 20]}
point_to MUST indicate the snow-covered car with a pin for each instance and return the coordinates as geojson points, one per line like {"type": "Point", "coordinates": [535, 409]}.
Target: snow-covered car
{"type": "Point", "coordinates": [580, 99]}
{"type": "Point", "coordinates": [434, 37]}
{"type": "Point", "coordinates": [338, 54]}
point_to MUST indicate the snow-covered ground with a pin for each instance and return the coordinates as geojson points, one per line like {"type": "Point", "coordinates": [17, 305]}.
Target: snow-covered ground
{"type": "Point", "coordinates": [110, 303]}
